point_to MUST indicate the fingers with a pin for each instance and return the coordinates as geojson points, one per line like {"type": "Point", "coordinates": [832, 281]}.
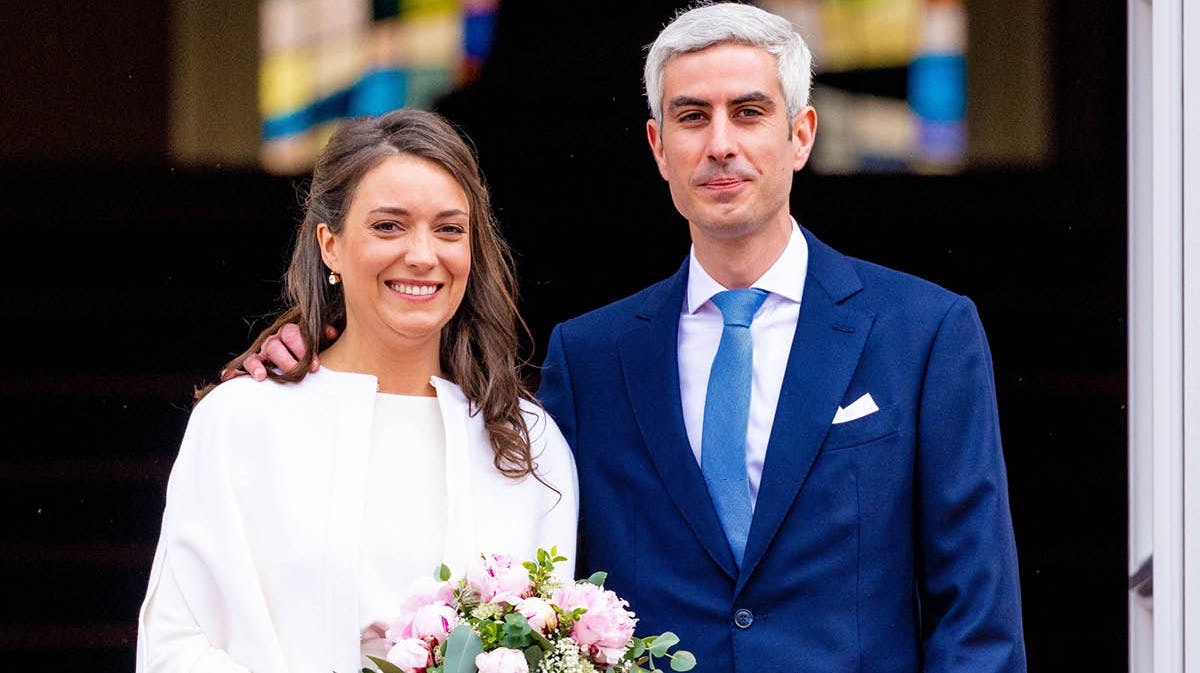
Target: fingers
{"type": "Point", "coordinates": [227, 374]}
{"type": "Point", "coordinates": [331, 333]}
{"type": "Point", "coordinates": [276, 353]}
{"type": "Point", "coordinates": [254, 367]}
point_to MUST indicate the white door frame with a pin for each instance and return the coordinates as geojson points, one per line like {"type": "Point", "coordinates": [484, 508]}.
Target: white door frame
{"type": "Point", "coordinates": [1164, 333]}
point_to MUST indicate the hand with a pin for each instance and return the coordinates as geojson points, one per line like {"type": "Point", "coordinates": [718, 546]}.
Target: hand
{"type": "Point", "coordinates": [283, 350]}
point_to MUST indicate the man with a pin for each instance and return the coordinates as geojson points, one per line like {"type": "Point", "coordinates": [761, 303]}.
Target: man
{"type": "Point", "coordinates": [875, 534]}
{"type": "Point", "coordinates": [804, 474]}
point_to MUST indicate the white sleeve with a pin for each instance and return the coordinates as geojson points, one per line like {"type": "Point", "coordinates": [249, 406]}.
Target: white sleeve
{"type": "Point", "coordinates": [169, 639]}
{"type": "Point", "coordinates": [205, 611]}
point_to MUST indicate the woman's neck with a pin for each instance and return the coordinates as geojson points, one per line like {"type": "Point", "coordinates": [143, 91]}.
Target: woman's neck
{"type": "Point", "coordinates": [400, 370]}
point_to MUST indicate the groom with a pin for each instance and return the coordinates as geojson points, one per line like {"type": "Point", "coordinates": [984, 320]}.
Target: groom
{"type": "Point", "coordinates": [789, 457]}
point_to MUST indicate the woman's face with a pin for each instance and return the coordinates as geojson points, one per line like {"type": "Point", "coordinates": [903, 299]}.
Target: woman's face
{"type": "Point", "coordinates": [404, 252]}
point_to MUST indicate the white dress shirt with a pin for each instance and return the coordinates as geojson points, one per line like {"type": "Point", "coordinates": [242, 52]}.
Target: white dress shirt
{"type": "Point", "coordinates": [771, 333]}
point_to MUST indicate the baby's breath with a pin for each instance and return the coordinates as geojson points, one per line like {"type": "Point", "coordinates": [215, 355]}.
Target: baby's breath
{"type": "Point", "coordinates": [548, 587]}
{"type": "Point", "coordinates": [487, 610]}
{"type": "Point", "coordinates": [565, 658]}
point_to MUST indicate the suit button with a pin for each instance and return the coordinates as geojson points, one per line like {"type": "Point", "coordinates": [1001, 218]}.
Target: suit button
{"type": "Point", "coordinates": [743, 618]}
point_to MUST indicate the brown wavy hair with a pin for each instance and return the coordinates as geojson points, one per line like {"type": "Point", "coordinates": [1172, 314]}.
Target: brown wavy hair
{"type": "Point", "coordinates": [479, 344]}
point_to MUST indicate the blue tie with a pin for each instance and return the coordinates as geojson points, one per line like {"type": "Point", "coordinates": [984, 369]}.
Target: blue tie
{"type": "Point", "coordinates": [727, 414]}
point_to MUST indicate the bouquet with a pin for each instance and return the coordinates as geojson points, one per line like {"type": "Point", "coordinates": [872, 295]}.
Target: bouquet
{"type": "Point", "coordinates": [511, 616]}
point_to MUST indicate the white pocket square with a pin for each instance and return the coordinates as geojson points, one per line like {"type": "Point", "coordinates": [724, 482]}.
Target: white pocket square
{"type": "Point", "coordinates": [863, 406]}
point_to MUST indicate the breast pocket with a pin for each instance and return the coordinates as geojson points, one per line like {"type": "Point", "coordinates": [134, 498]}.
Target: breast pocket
{"type": "Point", "coordinates": [863, 430]}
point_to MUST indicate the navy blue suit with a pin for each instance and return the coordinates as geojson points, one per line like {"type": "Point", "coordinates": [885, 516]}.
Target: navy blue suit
{"type": "Point", "coordinates": [883, 544]}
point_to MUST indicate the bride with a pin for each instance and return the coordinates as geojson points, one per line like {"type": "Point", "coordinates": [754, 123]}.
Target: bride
{"type": "Point", "coordinates": [299, 510]}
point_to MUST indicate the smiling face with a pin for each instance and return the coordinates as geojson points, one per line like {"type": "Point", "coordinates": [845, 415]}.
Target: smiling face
{"type": "Point", "coordinates": [404, 253]}
{"type": "Point", "coordinates": [725, 145]}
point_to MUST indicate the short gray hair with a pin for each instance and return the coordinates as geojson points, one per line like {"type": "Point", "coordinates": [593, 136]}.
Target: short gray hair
{"type": "Point", "coordinates": [708, 25]}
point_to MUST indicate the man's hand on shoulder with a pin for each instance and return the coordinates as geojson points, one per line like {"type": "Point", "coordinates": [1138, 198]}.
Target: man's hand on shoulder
{"type": "Point", "coordinates": [282, 350]}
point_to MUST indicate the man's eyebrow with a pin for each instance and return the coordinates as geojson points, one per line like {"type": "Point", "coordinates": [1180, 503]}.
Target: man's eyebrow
{"type": "Point", "coordinates": [754, 97]}
{"type": "Point", "coordinates": [687, 101]}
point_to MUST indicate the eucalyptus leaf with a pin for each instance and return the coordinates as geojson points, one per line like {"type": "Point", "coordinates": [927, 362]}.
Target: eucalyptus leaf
{"type": "Point", "coordinates": [385, 666]}
{"type": "Point", "coordinates": [516, 642]}
{"type": "Point", "coordinates": [639, 648]}
{"type": "Point", "coordinates": [663, 642]}
{"type": "Point", "coordinates": [683, 661]}
{"type": "Point", "coordinates": [515, 624]}
{"type": "Point", "coordinates": [462, 647]}
{"type": "Point", "coordinates": [598, 578]}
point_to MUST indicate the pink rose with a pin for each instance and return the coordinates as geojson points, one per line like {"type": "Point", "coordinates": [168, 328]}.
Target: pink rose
{"type": "Point", "coordinates": [502, 660]}
{"type": "Point", "coordinates": [411, 655]}
{"type": "Point", "coordinates": [499, 578]}
{"type": "Point", "coordinates": [539, 613]}
{"type": "Point", "coordinates": [373, 641]}
{"type": "Point", "coordinates": [434, 621]}
{"type": "Point", "coordinates": [426, 590]}
{"type": "Point", "coordinates": [604, 630]}
{"type": "Point", "coordinates": [421, 593]}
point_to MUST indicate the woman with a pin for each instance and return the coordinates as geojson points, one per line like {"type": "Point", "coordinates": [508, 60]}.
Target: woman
{"type": "Point", "coordinates": [298, 513]}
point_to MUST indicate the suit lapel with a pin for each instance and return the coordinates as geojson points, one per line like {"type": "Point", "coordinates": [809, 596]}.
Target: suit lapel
{"type": "Point", "coordinates": [828, 342]}
{"type": "Point", "coordinates": [649, 358]}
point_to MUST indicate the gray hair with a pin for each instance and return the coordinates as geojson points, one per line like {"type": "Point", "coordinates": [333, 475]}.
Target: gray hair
{"type": "Point", "coordinates": [708, 25]}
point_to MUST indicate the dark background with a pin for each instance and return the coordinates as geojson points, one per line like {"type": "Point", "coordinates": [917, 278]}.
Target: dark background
{"type": "Point", "coordinates": [130, 281]}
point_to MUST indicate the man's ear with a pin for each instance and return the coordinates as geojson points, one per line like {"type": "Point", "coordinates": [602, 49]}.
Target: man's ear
{"type": "Point", "coordinates": [804, 132]}
{"type": "Point", "coordinates": [327, 242]}
{"type": "Point", "coordinates": [654, 136]}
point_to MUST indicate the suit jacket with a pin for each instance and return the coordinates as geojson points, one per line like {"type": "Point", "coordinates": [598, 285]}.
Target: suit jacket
{"type": "Point", "coordinates": [883, 544]}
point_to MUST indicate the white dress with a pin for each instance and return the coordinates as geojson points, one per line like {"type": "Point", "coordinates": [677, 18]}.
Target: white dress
{"type": "Point", "coordinates": [408, 451]}
{"type": "Point", "coordinates": [258, 564]}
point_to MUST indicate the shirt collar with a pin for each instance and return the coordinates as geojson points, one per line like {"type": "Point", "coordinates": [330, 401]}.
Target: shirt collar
{"type": "Point", "coordinates": [785, 277]}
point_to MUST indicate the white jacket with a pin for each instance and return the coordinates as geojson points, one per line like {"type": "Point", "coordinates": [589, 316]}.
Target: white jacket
{"type": "Point", "coordinates": [255, 566]}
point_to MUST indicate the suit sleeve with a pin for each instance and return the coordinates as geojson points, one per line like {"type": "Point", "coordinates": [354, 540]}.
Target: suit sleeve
{"type": "Point", "coordinates": [555, 392]}
{"type": "Point", "coordinates": [967, 573]}
{"type": "Point", "coordinates": [557, 396]}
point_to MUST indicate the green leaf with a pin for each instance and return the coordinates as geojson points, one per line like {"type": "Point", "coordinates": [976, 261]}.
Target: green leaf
{"type": "Point", "coordinates": [516, 642]}
{"type": "Point", "coordinates": [533, 656]}
{"type": "Point", "coordinates": [683, 661]}
{"type": "Point", "coordinates": [639, 648]}
{"type": "Point", "coordinates": [515, 623]}
{"type": "Point", "coordinates": [385, 666]}
{"type": "Point", "coordinates": [443, 573]}
{"type": "Point", "coordinates": [462, 647]}
{"type": "Point", "coordinates": [663, 643]}
{"type": "Point", "coordinates": [541, 642]}
{"type": "Point", "coordinates": [598, 578]}
{"type": "Point", "coordinates": [516, 631]}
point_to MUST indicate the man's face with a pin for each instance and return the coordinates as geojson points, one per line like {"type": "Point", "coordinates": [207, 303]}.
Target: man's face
{"type": "Point", "coordinates": [725, 144]}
